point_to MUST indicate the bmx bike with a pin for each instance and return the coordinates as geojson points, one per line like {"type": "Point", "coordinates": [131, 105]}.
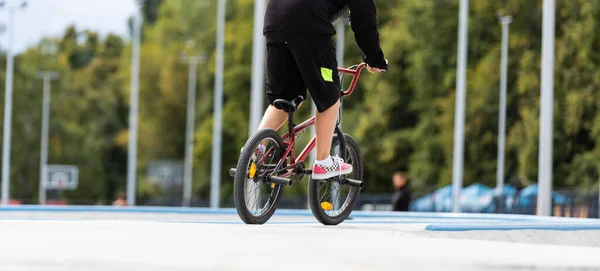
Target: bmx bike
{"type": "Point", "coordinates": [268, 163]}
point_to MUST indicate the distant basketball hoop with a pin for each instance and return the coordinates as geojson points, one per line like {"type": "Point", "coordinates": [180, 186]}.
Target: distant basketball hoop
{"type": "Point", "coordinates": [62, 177]}
{"type": "Point", "coordinates": [166, 173]}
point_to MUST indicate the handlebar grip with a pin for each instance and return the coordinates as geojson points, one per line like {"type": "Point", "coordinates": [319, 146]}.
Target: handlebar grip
{"type": "Point", "coordinates": [387, 68]}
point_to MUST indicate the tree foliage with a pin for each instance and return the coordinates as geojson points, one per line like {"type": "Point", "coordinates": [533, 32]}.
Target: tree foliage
{"type": "Point", "coordinates": [403, 120]}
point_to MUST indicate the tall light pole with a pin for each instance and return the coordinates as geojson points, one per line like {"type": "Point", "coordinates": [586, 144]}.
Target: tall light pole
{"type": "Point", "coordinates": [215, 172]}
{"type": "Point", "coordinates": [258, 74]}
{"type": "Point", "coordinates": [340, 40]}
{"type": "Point", "coordinates": [47, 77]}
{"type": "Point", "coordinates": [504, 21]}
{"type": "Point", "coordinates": [189, 128]}
{"type": "Point", "coordinates": [544, 200]}
{"type": "Point", "coordinates": [258, 68]}
{"type": "Point", "coordinates": [133, 109]}
{"type": "Point", "coordinates": [340, 37]}
{"type": "Point", "coordinates": [8, 100]}
{"type": "Point", "coordinates": [459, 118]}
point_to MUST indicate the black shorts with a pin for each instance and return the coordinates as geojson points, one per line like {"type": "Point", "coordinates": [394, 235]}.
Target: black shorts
{"type": "Point", "coordinates": [293, 67]}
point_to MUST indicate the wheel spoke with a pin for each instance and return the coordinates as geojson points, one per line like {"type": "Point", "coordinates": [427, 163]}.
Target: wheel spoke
{"type": "Point", "coordinates": [335, 196]}
{"type": "Point", "coordinates": [323, 184]}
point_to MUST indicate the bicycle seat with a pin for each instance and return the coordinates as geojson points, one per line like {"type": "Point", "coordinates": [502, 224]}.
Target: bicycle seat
{"type": "Point", "coordinates": [288, 106]}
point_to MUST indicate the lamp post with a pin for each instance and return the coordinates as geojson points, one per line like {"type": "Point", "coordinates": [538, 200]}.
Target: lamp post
{"type": "Point", "coordinates": [258, 70]}
{"type": "Point", "coordinates": [133, 109]}
{"type": "Point", "coordinates": [544, 200]}
{"type": "Point", "coordinates": [459, 118]}
{"type": "Point", "coordinates": [340, 45]}
{"type": "Point", "coordinates": [189, 128]}
{"type": "Point", "coordinates": [8, 100]}
{"type": "Point", "coordinates": [47, 77]}
{"type": "Point", "coordinates": [215, 172]}
{"type": "Point", "coordinates": [504, 21]}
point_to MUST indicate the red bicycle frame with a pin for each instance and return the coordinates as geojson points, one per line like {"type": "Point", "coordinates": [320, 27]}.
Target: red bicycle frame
{"type": "Point", "coordinates": [290, 138]}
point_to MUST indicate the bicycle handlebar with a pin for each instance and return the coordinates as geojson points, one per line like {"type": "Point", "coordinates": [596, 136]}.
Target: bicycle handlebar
{"type": "Point", "coordinates": [355, 72]}
{"type": "Point", "coordinates": [355, 75]}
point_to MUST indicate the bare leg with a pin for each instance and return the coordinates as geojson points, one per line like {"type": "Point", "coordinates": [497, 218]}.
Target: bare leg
{"type": "Point", "coordinates": [273, 118]}
{"type": "Point", "coordinates": [325, 126]}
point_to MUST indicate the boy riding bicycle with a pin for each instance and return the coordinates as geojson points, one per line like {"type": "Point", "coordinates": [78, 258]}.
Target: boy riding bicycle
{"type": "Point", "coordinates": [301, 55]}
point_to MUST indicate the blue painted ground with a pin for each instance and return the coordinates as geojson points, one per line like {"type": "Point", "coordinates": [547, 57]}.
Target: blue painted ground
{"type": "Point", "coordinates": [428, 221]}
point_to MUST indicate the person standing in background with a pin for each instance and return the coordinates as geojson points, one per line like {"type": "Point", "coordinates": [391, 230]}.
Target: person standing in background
{"type": "Point", "coordinates": [402, 195]}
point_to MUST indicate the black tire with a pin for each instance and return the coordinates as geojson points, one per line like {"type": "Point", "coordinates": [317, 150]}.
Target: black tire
{"type": "Point", "coordinates": [328, 217]}
{"type": "Point", "coordinates": [242, 178]}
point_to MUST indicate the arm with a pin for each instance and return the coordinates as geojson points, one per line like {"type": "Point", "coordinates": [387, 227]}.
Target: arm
{"type": "Point", "coordinates": [363, 14]}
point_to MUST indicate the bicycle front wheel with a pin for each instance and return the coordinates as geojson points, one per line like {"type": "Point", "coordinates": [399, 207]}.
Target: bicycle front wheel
{"type": "Point", "coordinates": [255, 200]}
{"type": "Point", "coordinates": [330, 202]}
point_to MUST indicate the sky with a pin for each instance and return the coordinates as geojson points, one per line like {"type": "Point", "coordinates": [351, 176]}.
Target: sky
{"type": "Point", "coordinates": [43, 18]}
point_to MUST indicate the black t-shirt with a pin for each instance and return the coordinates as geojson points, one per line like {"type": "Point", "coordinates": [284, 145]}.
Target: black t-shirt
{"type": "Point", "coordinates": [310, 21]}
{"type": "Point", "coordinates": [401, 199]}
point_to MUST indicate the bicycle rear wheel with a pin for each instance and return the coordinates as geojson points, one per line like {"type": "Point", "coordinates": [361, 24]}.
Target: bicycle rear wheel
{"type": "Point", "coordinates": [330, 202]}
{"type": "Point", "coordinates": [254, 199]}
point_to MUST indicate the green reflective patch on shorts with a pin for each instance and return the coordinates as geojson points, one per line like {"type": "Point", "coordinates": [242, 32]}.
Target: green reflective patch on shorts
{"type": "Point", "coordinates": [327, 74]}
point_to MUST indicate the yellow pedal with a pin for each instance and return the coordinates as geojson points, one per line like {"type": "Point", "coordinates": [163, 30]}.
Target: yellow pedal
{"type": "Point", "coordinates": [326, 206]}
{"type": "Point", "coordinates": [252, 170]}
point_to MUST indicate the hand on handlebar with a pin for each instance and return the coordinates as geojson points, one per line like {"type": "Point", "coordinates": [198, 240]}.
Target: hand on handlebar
{"type": "Point", "coordinates": [372, 69]}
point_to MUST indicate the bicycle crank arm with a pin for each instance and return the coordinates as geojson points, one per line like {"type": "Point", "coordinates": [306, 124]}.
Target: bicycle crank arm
{"type": "Point", "coordinates": [273, 179]}
{"type": "Point", "coordinates": [353, 183]}
{"type": "Point", "coordinates": [233, 170]}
